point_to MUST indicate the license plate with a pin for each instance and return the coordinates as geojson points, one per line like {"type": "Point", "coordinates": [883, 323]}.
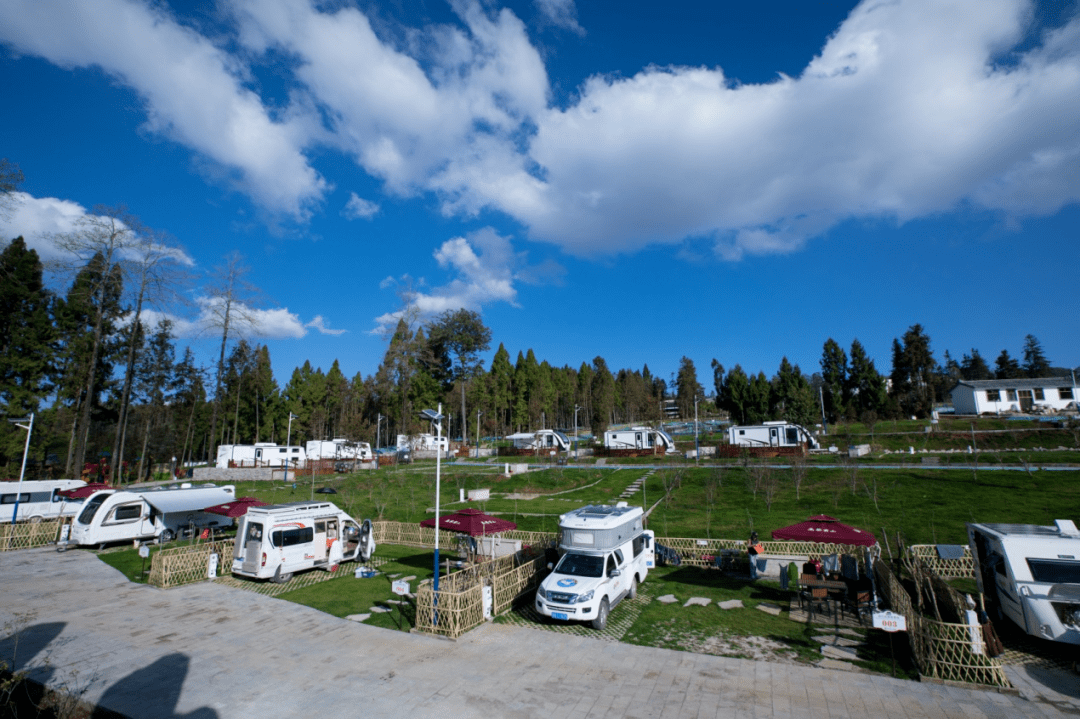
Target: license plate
{"type": "Point", "coordinates": [560, 615]}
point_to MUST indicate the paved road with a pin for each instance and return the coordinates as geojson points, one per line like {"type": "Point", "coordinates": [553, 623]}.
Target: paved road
{"type": "Point", "coordinates": [206, 651]}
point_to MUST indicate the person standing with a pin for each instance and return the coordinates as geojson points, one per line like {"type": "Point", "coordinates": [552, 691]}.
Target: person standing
{"type": "Point", "coordinates": [754, 549]}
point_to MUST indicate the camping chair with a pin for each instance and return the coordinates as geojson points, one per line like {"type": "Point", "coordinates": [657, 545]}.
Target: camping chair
{"type": "Point", "coordinates": [813, 596]}
{"type": "Point", "coordinates": [858, 599]}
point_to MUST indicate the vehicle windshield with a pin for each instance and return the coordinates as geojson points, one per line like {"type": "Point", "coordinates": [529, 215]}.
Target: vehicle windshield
{"type": "Point", "coordinates": [91, 508]}
{"type": "Point", "coordinates": [581, 565]}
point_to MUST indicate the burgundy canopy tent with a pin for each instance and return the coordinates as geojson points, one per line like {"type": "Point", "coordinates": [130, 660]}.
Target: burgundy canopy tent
{"type": "Point", "coordinates": [236, 508]}
{"type": "Point", "coordinates": [829, 530]}
{"type": "Point", "coordinates": [84, 491]}
{"type": "Point", "coordinates": [472, 522]}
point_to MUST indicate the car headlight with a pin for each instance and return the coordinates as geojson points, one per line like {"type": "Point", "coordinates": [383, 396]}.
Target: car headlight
{"type": "Point", "coordinates": [586, 597]}
{"type": "Point", "coordinates": [541, 593]}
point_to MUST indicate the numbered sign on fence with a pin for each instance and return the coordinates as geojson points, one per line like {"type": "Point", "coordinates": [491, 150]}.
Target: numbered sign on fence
{"type": "Point", "coordinates": [144, 551]}
{"type": "Point", "coordinates": [890, 621]}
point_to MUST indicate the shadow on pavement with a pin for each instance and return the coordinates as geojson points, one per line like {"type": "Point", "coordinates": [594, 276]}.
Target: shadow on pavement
{"type": "Point", "coordinates": [153, 691]}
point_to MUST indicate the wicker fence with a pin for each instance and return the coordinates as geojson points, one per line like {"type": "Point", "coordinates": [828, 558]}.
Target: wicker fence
{"type": "Point", "coordinates": [27, 535]}
{"type": "Point", "coordinates": [948, 651]}
{"type": "Point", "coordinates": [927, 556]}
{"type": "Point", "coordinates": [702, 552]}
{"type": "Point", "coordinates": [187, 563]}
{"type": "Point", "coordinates": [458, 606]}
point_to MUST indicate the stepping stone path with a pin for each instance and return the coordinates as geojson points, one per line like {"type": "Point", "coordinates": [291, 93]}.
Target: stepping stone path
{"type": "Point", "coordinates": [827, 663]}
{"type": "Point", "coordinates": [731, 604]}
{"type": "Point", "coordinates": [636, 485]}
{"type": "Point", "coordinates": [393, 601]}
{"type": "Point", "coordinates": [697, 601]}
{"type": "Point", "coordinates": [380, 610]}
{"type": "Point", "coordinates": [843, 630]}
{"type": "Point", "coordinates": [359, 617]}
{"type": "Point", "coordinates": [769, 608]}
{"type": "Point", "coordinates": [839, 652]}
{"type": "Point", "coordinates": [410, 578]}
{"type": "Point", "coordinates": [667, 599]}
{"type": "Point", "coordinates": [837, 641]}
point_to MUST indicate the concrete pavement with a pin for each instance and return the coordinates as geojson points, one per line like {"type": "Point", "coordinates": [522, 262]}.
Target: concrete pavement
{"type": "Point", "coordinates": [205, 651]}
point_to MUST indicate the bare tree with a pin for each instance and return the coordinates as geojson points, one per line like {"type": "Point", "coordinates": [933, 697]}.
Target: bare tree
{"type": "Point", "coordinates": [799, 470]}
{"type": "Point", "coordinates": [104, 236]}
{"type": "Point", "coordinates": [769, 486]}
{"type": "Point", "coordinates": [230, 312]}
{"type": "Point", "coordinates": [151, 270]}
{"type": "Point", "coordinates": [712, 487]}
{"type": "Point", "coordinates": [10, 179]}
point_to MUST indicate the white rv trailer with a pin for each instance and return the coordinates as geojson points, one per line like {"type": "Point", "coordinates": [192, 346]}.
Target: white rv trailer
{"type": "Point", "coordinates": [112, 515]}
{"type": "Point", "coordinates": [771, 434]}
{"type": "Point", "coordinates": [1031, 574]}
{"type": "Point", "coordinates": [263, 454]}
{"type": "Point", "coordinates": [338, 449]}
{"type": "Point", "coordinates": [541, 439]}
{"type": "Point", "coordinates": [639, 438]}
{"type": "Point", "coordinates": [274, 542]}
{"type": "Point", "coordinates": [422, 442]}
{"type": "Point", "coordinates": [38, 499]}
{"type": "Point", "coordinates": [606, 554]}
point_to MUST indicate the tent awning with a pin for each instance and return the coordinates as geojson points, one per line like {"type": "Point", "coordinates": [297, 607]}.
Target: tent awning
{"type": "Point", "coordinates": [825, 529]}
{"type": "Point", "coordinates": [472, 522]}
{"type": "Point", "coordinates": [187, 500]}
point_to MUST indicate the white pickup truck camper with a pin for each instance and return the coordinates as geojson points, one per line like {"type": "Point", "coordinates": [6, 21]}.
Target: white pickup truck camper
{"type": "Point", "coordinates": [38, 499]}
{"type": "Point", "coordinates": [112, 515]}
{"type": "Point", "coordinates": [275, 541]}
{"type": "Point", "coordinates": [606, 553]}
{"type": "Point", "coordinates": [1031, 574]}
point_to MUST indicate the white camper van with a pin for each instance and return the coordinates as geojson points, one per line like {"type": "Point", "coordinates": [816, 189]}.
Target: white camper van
{"type": "Point", "coordinates": [264, 454]}
{"type": "Point", "coordinates": [639, 438]}
{"type": "Point", "coordinates": [541, 439]}
{"type": "Point", "coordinates": [1031, 574]}
{"type": "Point", "coordinates": [274, 542]}
{"type": "Point", "coordinates": [38, 499]}
{"type": "Point", "coordinates": [422, 442]}
{"type": "Point", "coordinates": [771, 434]}
{"type": "Point", "coordinates": [606, 554]}
{"type": "Point", "coordinates": [122, 516]}
{"type": "Point", "coordinates": [341, 449]}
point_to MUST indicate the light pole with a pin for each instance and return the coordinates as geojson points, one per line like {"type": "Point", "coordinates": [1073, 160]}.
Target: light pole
{"type": "Point", "coordinates": [478, 413]}
{"type": "Point", "coordinates": [436, 418]}
{"type": "Point", "coordinates": [697, 447]}
{"type": "Point", "coordinates": [576, 410]}
{"type": "Point", "coordinates": [288, 438]}
{"type": "Point", "coordinates": [378, 431]}
{"type": "Point", "coordinates": [26, 450]}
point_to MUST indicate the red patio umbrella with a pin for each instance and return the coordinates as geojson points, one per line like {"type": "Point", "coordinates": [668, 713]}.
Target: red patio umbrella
{"type": "Point", "coordinates": [237, 507]}
{"type": "Point", "coordinates": [829, 530]}
{"type": "Point", "coordinates": [472, 522]}
{"type": "Point", "coordinates": [84, 491]}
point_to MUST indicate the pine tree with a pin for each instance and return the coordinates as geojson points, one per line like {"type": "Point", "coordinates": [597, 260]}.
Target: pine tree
{"type": "Point", "coordinates": [501, 381]}
{"type": "Point", "coordinates": [974, 367]}
{"type": "Point", "coordinates": [155, 382]}
{"type": "Point", "coordinates": [602, 392]}
{"type": "Point", "coordinates": [734, 394]}
{"type": "Point", "coordinates": [687, 388]}
{"type": "Point", "coordinates": [1005, 367]}
{"type": "Point", "coordinates": [834, 375]}
{"type": "Point", "coordinates": [1035, 363]}
{"type": "Point", "coordinates": [914, 372]}
{"type": "Point", "coordinates": [865, 386]}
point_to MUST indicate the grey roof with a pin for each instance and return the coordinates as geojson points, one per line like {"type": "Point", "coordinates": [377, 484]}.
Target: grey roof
{"type": "Point", "coordinates": [1017, 383]}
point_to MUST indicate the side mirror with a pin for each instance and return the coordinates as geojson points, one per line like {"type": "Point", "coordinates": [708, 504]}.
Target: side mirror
{"type": "Point", "coordinates": [550, 566]}
{"type": "Point", "coordinates": [615, 573]}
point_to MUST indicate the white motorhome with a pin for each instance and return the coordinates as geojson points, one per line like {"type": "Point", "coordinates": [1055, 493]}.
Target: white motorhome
{"type": "Point", "coordinates": [112, 515]}
{"type": "Point", "coordinates": [1031, 574]}
{"type": "Point", "coordinates": [422, 442]}
{"type": "Point", "coordinates": [338, 449]}
{"type": "Point", "coordinates": [639, 438]}
{"type": "Point", "coordinates": [263, 454]}
{"type": "Point", "coordinates": [606, 553]}
{"type": "Point", "coordinates": [274, 542]}
{"type": "Point", "coordinates": [38, 499]}
{"type": "Point", "coordinates": [771, 434]}
{"type": "Point", "coordinates": [541, 439]}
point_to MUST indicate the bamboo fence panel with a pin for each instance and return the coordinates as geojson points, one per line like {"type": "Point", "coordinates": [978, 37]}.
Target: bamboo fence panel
{"type": "Point", "coordinates": [410, 535]}
{"type": "Point", "coordinates": [455, 612]}
{"type": "Point", "coordinates": [702, 552]}
{"type": "Point", "coordinates": [942, 650]}
{"type": "Point", "coordinates": [187, 564]}
{"type": "Point", "coordinates": [927, 555]}
{"type": "Point", "coordinates": [511, 585]}
{"type": "Point", "coordinates": [27, 535]}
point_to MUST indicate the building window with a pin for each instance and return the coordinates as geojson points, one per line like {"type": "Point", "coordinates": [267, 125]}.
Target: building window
{"type": "Point", "coordinates": [1011, 394]}
{"type": "Point", "coordinates": [993, 395]}
{"type": "Point", "coordinates": [1065, 392]}
{"type": "Point", "coordinates": [1039, 394]}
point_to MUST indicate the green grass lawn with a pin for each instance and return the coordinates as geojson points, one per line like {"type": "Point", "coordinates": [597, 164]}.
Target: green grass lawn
{"type": "Point", "coordinates": [130, 563]}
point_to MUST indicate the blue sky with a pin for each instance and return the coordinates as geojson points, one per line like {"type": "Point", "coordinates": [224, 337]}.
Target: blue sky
{"type": "Point", "coordinates": [736, 181]}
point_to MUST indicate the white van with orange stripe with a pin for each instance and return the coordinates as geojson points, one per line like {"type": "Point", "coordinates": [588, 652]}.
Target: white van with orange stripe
{"type": "Point", "coordinates": [276, 541]}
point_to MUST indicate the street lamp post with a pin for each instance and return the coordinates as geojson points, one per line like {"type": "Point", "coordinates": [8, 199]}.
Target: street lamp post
{"type": "Point", "coordinates": [378, 431]}
{"type": "Point", "coordinates": [288, 439]}
{"type": "Point", "coordinates": [26, 450]}
{"type": "Point", "coordinates": [697, 447]}
{"type": "Point", "coordinates": [478, 413]}
{"type": "Point", "coordinates": [576, 410]}
{"type": "Point", "coordinates": [436, 418]}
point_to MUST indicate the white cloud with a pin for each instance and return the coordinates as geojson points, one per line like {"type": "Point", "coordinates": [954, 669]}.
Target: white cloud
{"type": "Point", "coordinates": [320, 324]}
{"type": "Point", "coordinates": [37, 218]}
{"type": "Point", "coordinates": [560, 13]}
{"type": "Point", "coordinates": [484, 268]}
{"type": "Point", "coordinates": [359, 208]}
{"type": "Point", "coordinates": [193, 90]}
{"type": "Point", "coordinates": [245, 321]}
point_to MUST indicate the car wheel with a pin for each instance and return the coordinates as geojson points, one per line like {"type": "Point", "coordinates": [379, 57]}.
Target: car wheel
{"type": "Point", "coordinates": [281, 577]}
{"type": "Point", "coordinates": [167, 535]}
{"type": "Point", "coordinates": [600, 623]}
{"type": "Point", "coordinates": [633, 588]}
